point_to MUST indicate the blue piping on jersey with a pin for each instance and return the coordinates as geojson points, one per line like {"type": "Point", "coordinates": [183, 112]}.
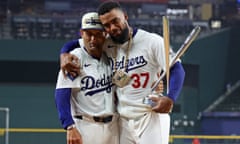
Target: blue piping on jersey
{"type": "Point", "coordinates": [134, 31]}
{"type": "Point", "coordinates": [71, 77]}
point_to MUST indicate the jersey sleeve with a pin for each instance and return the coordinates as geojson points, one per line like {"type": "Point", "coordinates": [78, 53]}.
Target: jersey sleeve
{"type": "Point", "coordinates": [158, 51]}
{"type": "Point", "coordinates": [63, 92]}
{"type": "Point", "coordinates": [67, 82]}
{"type": "Point", "coordinates": [62, 101]}
{"type": "Point", "coordinates": [62, 98]}
{"type": "Point", "coordinates": [176, 80]}
{"type": "Point", "coordinates": [69, 46]}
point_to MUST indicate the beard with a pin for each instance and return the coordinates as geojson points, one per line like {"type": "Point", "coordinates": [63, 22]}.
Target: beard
{"type": "Point", "coordinates": [123, 37]}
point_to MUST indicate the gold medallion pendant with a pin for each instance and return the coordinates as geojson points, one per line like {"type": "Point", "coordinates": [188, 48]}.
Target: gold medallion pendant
{"type": "Point", "coordinates": [121, 78]}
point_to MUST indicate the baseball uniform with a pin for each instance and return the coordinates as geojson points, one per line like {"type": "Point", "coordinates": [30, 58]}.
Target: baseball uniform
{"type": "Point", "coordinates": [92, 100]}
{"type": "Point", "coordinates": [146, 56]}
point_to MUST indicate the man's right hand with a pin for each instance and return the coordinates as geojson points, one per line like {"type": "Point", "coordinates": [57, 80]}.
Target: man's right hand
{"type": "Point", "coordinates": [69, 64]}
{"type": "Point", "coordinates": [163, 104]}
{"type": "Point", "coordinates": [74, 137]}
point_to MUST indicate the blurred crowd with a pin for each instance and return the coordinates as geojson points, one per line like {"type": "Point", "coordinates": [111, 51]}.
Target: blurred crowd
{"type": "Point", "coordinates": [61, 19]}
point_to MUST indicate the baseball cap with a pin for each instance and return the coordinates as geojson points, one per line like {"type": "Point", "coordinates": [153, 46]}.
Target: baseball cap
{"type": "Point", "coordinates": [91, 20]}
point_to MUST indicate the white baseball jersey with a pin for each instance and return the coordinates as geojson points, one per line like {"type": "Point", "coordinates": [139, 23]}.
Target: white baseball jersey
{"type": "Point", "coordinates": [92, 90]}
{"type": "Point", "coordinates": [146, 58]}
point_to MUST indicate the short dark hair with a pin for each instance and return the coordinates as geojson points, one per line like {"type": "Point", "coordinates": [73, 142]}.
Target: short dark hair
{"type": "Point", "coordinates": [107, 6]}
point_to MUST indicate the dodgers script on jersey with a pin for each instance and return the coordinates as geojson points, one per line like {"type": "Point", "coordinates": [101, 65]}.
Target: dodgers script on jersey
{"type": "Point", "coordinates": [92, 90]}
{"type": "Point", "coordinates": [146, 58]}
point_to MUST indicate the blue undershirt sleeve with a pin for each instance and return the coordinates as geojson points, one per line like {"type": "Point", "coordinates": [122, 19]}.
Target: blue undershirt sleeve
{"type": "Point", "coordinates": [62, 100]}
{"type": "Point", "coordinates": [177, 75]}
{"type": "Point", "coordinates": [69, 46]}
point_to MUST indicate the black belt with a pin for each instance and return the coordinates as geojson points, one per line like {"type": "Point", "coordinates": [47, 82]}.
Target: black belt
{"type": "Point", "coordinates": [98, 119]}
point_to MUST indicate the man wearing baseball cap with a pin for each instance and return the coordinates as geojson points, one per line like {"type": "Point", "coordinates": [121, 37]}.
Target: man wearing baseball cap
{"type": "Point", "coordinates": [85, 103]}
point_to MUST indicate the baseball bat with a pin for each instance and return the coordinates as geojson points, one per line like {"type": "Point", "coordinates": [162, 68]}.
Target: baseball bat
{"type": "Point", "coordinates": [188, 41]}
{"type": "Point", "coordinates": [166, 46]}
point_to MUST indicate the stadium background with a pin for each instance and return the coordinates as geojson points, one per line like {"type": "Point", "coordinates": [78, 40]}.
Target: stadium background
{"type": "Point", "coordinates": [32, 33]}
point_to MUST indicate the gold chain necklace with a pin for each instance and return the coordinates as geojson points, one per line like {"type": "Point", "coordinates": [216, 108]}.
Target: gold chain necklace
{"type": "Point", "coordinates": [127, 54]}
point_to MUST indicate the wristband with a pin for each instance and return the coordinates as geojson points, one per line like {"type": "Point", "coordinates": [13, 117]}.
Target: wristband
{"type": "Point", "coordinates": [71, 127]}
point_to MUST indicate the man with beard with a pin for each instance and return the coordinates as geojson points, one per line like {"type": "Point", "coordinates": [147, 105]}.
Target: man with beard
{"type": "Point", "coordinates": [136, 57]}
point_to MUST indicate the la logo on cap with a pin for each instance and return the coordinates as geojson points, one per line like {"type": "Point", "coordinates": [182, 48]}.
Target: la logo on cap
{"type": "Point", "coordinates": [91, 21]}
